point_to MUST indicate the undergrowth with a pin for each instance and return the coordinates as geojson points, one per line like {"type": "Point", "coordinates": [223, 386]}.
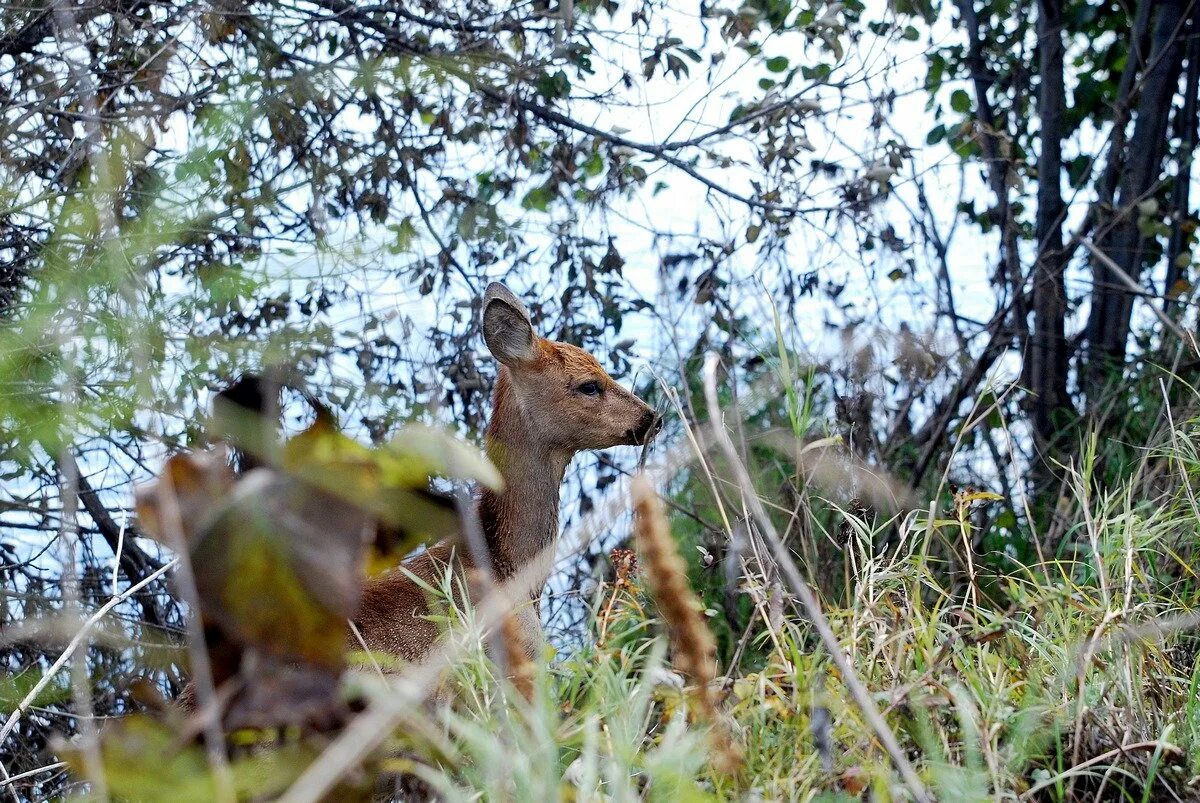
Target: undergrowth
{"type": "Point", "coordinates": [1064, 671]}
{"type": "Point", "coordinates": [1070, 678]}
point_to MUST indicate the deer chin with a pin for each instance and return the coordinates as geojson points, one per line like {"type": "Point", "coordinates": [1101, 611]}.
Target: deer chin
{"type": "Point", "coordinates": [629, 437]}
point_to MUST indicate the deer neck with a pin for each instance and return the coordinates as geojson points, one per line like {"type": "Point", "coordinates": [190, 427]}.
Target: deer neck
{"type": "Point", "coordinates": [520, 522]}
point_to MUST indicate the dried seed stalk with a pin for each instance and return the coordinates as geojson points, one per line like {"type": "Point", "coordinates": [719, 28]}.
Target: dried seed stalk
{"type": "Point", "coordinates": [514, 660]}
{"type": "Point", "coordinates": [694, 649]}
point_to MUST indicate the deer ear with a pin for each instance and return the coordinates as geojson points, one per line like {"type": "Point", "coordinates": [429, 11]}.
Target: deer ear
{"type": "Point", "coordinates": [506, 327]}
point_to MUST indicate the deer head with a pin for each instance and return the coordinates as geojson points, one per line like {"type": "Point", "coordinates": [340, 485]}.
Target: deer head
{"type": "Point", "coordinates": [566, 401]}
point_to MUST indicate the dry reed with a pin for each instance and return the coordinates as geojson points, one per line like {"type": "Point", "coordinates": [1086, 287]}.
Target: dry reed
{"type": "Point", "coordinates": [693, 647]}
{"type": "Point", "coordinates": [513, 659]}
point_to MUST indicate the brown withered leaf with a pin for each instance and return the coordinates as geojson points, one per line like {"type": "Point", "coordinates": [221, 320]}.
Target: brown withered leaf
{"type": "Point", "coordinates": [280, 567]}
{"type": "Point", "coordinates": [198, 482]}
{"type": "Point", "coordinates": [854, 781]}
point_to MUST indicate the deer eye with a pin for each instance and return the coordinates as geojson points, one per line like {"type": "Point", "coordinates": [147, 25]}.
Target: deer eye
{"type": "Point", "coordinates": [590, 388]}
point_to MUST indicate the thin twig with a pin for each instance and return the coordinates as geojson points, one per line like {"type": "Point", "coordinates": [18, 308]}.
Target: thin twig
{"type": "Point", "coordinates": [11, 722]}
{"type": "Point", "coordinates": [57, 765]}
{"type": "Point", "coordinates": [1136, 288]}
{"type": "Point", "coordinates": [116, 567]}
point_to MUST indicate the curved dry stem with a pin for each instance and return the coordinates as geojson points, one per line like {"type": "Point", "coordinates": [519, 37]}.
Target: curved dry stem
{"type": "Point", "coordinates": [801, 589]}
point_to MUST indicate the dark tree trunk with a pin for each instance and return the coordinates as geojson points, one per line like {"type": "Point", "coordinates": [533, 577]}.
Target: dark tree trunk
{"type": "Point", "coordinates": [1046, 356]}
{"type": "Point", "coordinates": [1112, 304]}
{"type": "Point", "coordinates": [1139, 40]}
{"type": "Point", "coordinates": [1186, 130]}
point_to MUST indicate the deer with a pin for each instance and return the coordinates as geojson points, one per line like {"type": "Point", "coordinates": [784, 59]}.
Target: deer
{"type": "Point", "coordinates": [551, 401]}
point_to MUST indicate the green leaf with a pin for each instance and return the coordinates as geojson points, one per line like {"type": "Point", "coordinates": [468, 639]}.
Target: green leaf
{"type": "Point", "coordinates": [777, 63]}
{"type": "Point", "coordinates": [13, 689]}
{"type": "Point", "coordinates": [538, 198]}
{"type": "Point", "coordinates": [406, 235]}
{"type": "Point", "coordinates": [593, 165]}
{"type": "Point", "coordinates": [554, 85]}
{"type": "Point", "coordinates": [988, 401]}
{"type": "Point", "coordinates": [1077, 170]}
{"type": "Point", "coordinates": [960, 101]}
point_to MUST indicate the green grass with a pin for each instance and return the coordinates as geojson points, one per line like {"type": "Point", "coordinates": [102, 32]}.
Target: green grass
{"type": "Point", "coordinates": [1065, 680]}
{"type": "Point", "coordinates": [1064, 670]}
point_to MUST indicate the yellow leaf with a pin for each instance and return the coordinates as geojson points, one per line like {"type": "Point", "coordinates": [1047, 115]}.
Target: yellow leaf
{"type": "Point", "coordinates": [979, 496]}
{"type": "Point", "coordinates": [445, 455]}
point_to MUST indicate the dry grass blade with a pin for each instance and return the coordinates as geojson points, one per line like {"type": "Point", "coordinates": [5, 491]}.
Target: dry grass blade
{"type": "Point", "coordinates": [12, 779]}
{"type": "Point", "coordinates": [808, 599]}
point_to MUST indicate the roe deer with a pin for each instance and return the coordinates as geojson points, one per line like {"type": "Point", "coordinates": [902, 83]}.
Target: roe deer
{"type": "Point", "coordinates": [551, 400]}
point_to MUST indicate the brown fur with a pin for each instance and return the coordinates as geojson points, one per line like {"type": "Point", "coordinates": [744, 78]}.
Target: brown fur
{"type": "Point", "coordinates": [540, 419]}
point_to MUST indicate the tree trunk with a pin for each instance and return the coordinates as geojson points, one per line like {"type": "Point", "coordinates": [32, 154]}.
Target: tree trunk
{"type": "Point", "coordinates": [1112, 304]}
{"type": "Point", "coordinates": [1046, 356]}
{"type": "Point", "coordinates": [1135, 61]}
{"type": "Point", "coordinates": [1186, 130]}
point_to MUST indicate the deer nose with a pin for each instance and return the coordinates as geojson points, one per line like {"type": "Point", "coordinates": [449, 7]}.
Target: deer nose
{"type": "Point", "coordinates": [647, 427]}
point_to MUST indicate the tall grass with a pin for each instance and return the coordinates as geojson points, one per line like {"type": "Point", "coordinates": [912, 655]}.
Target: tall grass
{"type": "Point", "coordinates": [1069, 678]}
{"type": "Point", "coordinates": [1069, 675]}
